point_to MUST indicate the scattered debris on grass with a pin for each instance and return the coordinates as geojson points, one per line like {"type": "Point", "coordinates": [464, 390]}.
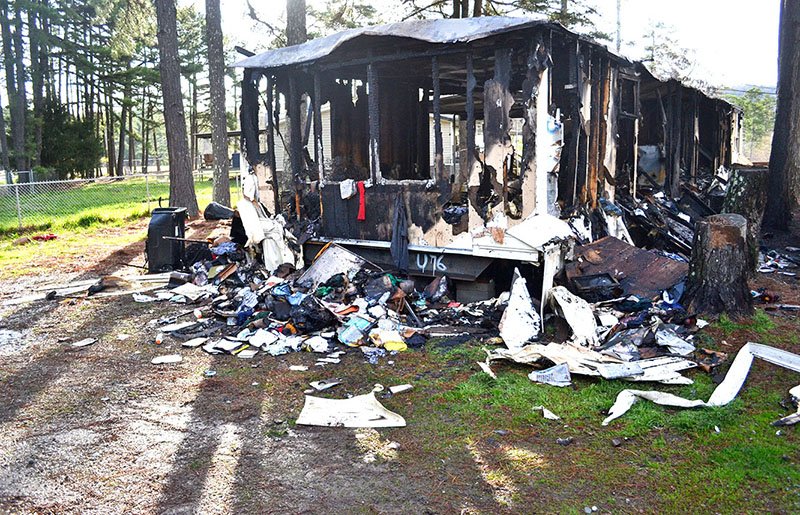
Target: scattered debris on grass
{"type": "Point", "coordinates": [725, 392]}
{"type": "Point", "coordinates": [85, 342]}
{"type": "Point", "coordinates": [358, 411]}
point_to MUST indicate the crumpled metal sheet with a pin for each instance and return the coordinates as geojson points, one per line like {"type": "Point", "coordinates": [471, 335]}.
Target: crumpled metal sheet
{"type": "Point", "coordinates": [640, 272]}
{"type": "Point", "coordinates": [432, 31]}
{"type": "Point", "coordinates": [587, 362]}
{"type": "Point", "coordinates": [725, 392]}
{"type": "Point", "coordinates": [578, 314]}
{"type": "Point", "coordinates": [520, 322]}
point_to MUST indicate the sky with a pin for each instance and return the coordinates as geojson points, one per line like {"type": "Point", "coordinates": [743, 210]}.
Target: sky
{"type": "Point", "coordinates": [734, 42]}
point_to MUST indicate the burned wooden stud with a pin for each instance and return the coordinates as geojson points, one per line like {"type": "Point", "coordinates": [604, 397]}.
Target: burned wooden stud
{"type": "Point", "coordinates": [295, 142]}
{"type": "Point", "coordinates": [470, 107]}
{"type": "Point", "coordinates": [319, 156]}
{"type": "Point", "coordinates": [271, 123]}
{"type": "Point", "coordinates": [497, 102]}
{"type": "Point", "coordinates": [674, 171]}
{"type": "Point", "coordinates": [373, 97]}
{"type": "Point", "coordinates": [718, 269]}
{"type": "Point", "coordinates": [437, 122]}
{"type": "Point", "coordinates": [530, 95]}
{"type": "Point", "coordinates": [295, 133]}
{"type": "Point", "coordinates": [248, 116]}
{"type": "Point", "coordinates": [747, 196]}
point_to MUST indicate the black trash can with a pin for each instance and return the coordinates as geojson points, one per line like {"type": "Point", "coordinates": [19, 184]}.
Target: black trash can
{"type": "Point", "coordinates": [166, 255]}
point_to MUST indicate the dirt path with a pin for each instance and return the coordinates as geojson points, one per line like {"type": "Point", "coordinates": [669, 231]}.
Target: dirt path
{"type": "Point", "coordinates": [100, 429]}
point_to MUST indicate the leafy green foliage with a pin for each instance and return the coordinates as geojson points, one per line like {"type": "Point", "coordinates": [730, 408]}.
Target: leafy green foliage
{"type": "Point", "coordinates": [759, 116]}
{"type": "Point", "coordinates": [575, 15]}
{"type": "Point", "coordinates": [69, 146]}
{"type": "Point", "coordinates": [343, 14]}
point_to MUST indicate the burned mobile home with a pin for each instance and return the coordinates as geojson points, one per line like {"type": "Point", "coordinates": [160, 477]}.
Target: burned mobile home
{"type": "Point", "coordinates": [551, 126]}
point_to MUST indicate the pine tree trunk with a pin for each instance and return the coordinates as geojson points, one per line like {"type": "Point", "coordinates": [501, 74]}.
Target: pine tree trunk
{"type": "Point", "coordinates": [123, 125]}
{"type": "Point", "coordinates": [4, 162]}
{"type": "Point", "coordinates": [22, 96]}
{"type": "Point", "coordinates": [296, 22]}
{"type": "Point", "coordinates": [216, 86]}
{"type": "Point", "coordinates": [146, 108]}
{"type": "Point", "coordinates": [131, 140]}
{"type": "Point", "coordinates": [37, 80]}
{"type": "Point", "coordinates": [44, 52]}
{"type": "Point", "coordinates": [110, 154]}
{"type": "Point", "coordinates": [181, 183]}
{"type": "Point", "coordinates": [718, 271]}
{"type": "Point", "coordinates": [155, 150]}
{"type": "Point", "coordinates": [193, 120]}
{"type": "Point", "coordinates": [295, 34]}
{"type": "Point", "coordinates": [784, 161]}
{"type": "Point", "coordinates": [17, 123]}
{"type": "Point", "coordinates": [747, 196]}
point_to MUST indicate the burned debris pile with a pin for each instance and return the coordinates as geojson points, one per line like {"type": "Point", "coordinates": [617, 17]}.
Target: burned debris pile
{"type": "Point", "coordinates": [618, 306]}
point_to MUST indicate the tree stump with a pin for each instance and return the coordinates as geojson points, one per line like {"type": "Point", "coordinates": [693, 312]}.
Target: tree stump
{"type": "Point", "coordinates": [718, 270]}
{"type": "Point", "coordinates": [747, 196]}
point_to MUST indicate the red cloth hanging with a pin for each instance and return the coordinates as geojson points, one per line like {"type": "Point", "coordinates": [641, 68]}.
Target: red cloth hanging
{"type": "Point", "coordinates": [362, 208]}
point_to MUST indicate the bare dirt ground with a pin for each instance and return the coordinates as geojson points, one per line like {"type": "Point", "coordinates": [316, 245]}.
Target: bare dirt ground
{"type": "Point", "coordinates": [101, 430]}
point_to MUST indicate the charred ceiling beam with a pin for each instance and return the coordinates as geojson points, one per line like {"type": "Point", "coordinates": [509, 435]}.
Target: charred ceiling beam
{"type": "Point", "coordinates": [399, 56]}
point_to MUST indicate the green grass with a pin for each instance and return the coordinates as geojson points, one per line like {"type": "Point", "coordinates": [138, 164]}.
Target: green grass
{"type": "Point", "coordinates": [676, 455]}
{"type": "Point", "coordinates": [91, 205]}
{"type": "Point", "coordinates": [78, 217]}
{"type": "Point", "coordinates": [759, 323]}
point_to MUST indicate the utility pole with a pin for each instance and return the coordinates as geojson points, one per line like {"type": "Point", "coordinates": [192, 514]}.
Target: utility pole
{"type": "Point", "coordinates": [619, 25]}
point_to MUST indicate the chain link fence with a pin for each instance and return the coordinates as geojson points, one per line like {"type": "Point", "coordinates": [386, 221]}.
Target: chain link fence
{"type": "Point", "coordinates": [73, 204]}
